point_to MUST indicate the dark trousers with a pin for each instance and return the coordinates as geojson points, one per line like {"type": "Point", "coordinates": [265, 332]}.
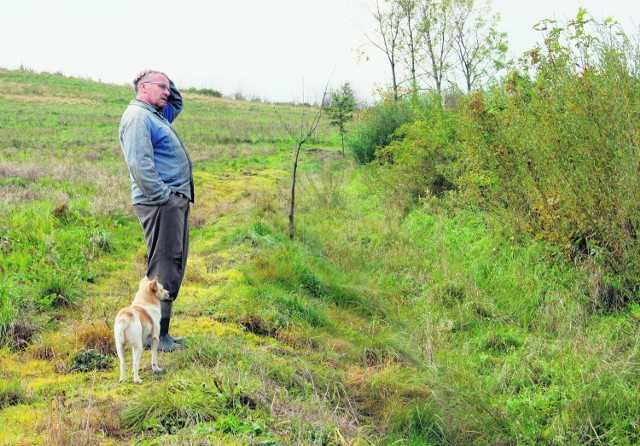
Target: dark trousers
{"type": "Point", "coordinates": [166, 233]}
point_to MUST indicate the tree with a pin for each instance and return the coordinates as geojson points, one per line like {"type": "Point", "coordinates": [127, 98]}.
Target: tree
{"type": "Point", "coordinates": [389, 25]}
{"type": "Point", "coordinates": [437, 30]}
{"type": "Point", "coordinates": [432, 39]}
{"type": "Point", "coordinates": [343, 104]}
{"type": "Point", "coordinates": [301, 135]}
{"type": "Point", "coordinates": [479, 49]}
{"type": "Point", "coordinates": [410, 41]}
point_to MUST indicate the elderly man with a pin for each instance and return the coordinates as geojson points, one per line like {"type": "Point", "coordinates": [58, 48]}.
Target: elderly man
{"type": "Point", "coordinates": [162, 184]}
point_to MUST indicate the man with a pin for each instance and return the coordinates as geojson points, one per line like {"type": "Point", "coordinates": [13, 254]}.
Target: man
{"type": "Point", "coordinates": [162, 184]}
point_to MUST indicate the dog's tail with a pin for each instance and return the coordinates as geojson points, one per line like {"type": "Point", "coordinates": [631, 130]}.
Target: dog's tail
{"type": "Point", "coordinates": [119, 335]}
{"type": "Point", "coordinates": [121, 327]}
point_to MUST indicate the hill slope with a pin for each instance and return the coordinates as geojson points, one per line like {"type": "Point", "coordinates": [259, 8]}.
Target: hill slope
{"type": "Point", "coordinates": [377, 325]}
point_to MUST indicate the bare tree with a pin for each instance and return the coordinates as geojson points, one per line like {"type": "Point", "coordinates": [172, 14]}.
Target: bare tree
{"type": "Point", "coordinates": [433, 39]}
{"type": "Point", "coordinates": [410, 41]}
{"type": "Point", "coordinates": [479, 49]}
{"type": "Point", "coordinates": [389, 25]}
{"type": "Point", "coordinates": [301, 135]}
{"type": "Point", "coordinates": [437, 30]}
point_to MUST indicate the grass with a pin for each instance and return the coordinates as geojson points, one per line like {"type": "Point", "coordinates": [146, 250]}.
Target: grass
{"type": "Point", "coordinates": [378, 324]}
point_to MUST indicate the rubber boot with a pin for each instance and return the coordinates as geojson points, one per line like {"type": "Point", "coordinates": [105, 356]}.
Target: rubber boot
{"type": "Point", "coordinates": [167, 343]}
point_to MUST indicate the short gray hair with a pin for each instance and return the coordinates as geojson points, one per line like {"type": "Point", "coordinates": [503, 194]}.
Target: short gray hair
{"type": "Point", "coordinates": [145, 78]}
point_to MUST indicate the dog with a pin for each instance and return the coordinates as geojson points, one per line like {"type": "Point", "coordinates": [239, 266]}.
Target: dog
{"type": "Point", "coordinates": [139, 324]}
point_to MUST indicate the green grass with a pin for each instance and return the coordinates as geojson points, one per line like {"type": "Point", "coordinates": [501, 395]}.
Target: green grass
{"type": "Point", "coordinates": [378, 324]}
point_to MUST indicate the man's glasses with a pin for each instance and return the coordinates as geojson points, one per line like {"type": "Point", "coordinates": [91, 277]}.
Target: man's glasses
{"type": "Point", "coordinates": [162, 85]}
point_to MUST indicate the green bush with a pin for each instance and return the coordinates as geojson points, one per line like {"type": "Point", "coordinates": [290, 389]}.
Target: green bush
{"type": "Point", "coordinates": [422, 157]}
{"type": "Point", "coordinates": [174, 407]}
{"type": "Point", "coordinates": [205, 91]}
{"type": "Point", "coordinates": [555, 151]}
{"type": "Point", "coordinates": [376, 128]}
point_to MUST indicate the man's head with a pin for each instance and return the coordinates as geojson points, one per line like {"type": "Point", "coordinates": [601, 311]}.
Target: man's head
{"type": "Point", "coordinates": [153, 88]}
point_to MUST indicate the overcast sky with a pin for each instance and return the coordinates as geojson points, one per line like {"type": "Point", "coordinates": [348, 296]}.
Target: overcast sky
{"type": "Point", "coordinates": [272, 49]}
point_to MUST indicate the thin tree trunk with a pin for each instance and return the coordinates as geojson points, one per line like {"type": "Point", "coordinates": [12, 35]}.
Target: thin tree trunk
{"type": "Point", "coordinates": [292, 226]}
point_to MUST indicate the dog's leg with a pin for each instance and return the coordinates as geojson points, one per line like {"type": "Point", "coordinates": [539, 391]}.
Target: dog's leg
{"type": "Point", "coordinates": [120, 341]}
{"type": "Point", "coordinates": [155, 342]}
{"type": "Point", "coordinates": [120, 350]}
{"type": "Point", "coordinates": [136, 347]}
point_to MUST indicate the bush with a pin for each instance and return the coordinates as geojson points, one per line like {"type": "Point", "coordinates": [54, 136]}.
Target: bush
{"type": "Point", "coordinates": [175, 407]}
{"type": "Point", "coordinates": [555, 152]}
{"type": "Point", "coordinates": [205, 91]}
{"type": "Point", "coordinates": [12, 393]}
{"type": "Point", "coordinates": [422, 158]}
{"type": "Point", "coordinates": [376, 128]}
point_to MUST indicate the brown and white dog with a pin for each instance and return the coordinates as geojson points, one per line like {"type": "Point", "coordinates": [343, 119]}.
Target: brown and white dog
{"type": "Point", "coordinates": [139, 324]}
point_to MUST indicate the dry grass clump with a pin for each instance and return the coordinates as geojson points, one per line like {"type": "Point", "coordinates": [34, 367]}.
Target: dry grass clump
{"type": "Point", "coordinates": [21, 333]}
{"type": "Point", "coordinates": [96, 336]}
{"type": "Point", "coordinates": [30, 172]}
{"type": "Point", "coordinates": [79, 422]}
{"type": "Point", "coordinates": [50, 346]}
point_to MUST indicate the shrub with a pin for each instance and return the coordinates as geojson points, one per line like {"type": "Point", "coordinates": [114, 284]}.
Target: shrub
{"type": "Point", "coordinates": [173, 408]}
{"type": "Point", "coordinates": [205, 91]}
{"type": "Point", "coordinates": [101, 242]}
{"type": "Point", "coordinates": [98, 337]}
{"type": "Point", "coordinates": [376, 128]}
{"type": "Point", "coordinates": [58, 289]}
{"type": "Point", "coordinates": [554, 152]}
{"type": "Point", "coordinates": [422, 158]}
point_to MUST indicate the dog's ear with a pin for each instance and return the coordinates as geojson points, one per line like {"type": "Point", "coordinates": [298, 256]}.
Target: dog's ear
{"type": "Point", "coordinates": [153, 285]}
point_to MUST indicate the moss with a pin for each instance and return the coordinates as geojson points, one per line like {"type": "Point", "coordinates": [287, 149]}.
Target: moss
{"type": "Point", "coordinates": [205, 326]}
{"type": "Point", "coordinates": [22, 424]}
{"type": "Point", "coordinates": [47, 385]}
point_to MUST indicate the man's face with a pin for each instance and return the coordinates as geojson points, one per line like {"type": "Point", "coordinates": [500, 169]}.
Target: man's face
{"type": "Point", "coordinates": [155, 91]}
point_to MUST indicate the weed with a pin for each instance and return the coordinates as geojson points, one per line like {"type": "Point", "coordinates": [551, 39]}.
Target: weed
{"type": "Point", "coordinates": [179, 405]}
{"type": "Point", "coordinates": [8, 314]}
{"type": "Point", "coordinates": [12, 393]}
{"type": "Point", "coordinates": [65, 214]}
{"type": "Point", "coordinates": [90, 360]}
{"type": "Point", "coordinates": [81, 422]}
{"type": "Point", "coordinates": [58, 289]}
{"type": "Point", "coordinates": [101, 241]}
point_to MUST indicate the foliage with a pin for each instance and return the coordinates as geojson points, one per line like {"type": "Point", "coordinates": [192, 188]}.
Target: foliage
{"type": "Point", "coordinates": [389, 319]}
{"type": "Point", "coordinates": [553, 150]}
{"type": "Point", "coordinates": [480, 49]}
{"type": "Point", "coordinates": [47, 266]}
{"type": "Point", "coordinates": [12, 393]}
{"type": "Point", "coordinates": [419, 161]}
{"type": "Point", "coordinates": [556, 149]}
{"type": "Point", "coordinates": [90, 360]}
{"type": "Point", "coordinates": [8, 312]}
{"type": "Point", "coordinates": [428, 42]}
{"type": "Point", "coordinates": [181, 405]}
{"type": "Point", "coordinates": [205, 91]}
{"type": "Point", "coordinates": [376, 128]}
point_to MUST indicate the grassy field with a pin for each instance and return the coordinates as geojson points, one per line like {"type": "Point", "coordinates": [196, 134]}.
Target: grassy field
{"type": "Point", "coordinates": [376, 325]}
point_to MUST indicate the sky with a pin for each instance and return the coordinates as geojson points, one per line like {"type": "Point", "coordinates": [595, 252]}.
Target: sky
{"type": "Point", "coordinates": [275, 50]}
